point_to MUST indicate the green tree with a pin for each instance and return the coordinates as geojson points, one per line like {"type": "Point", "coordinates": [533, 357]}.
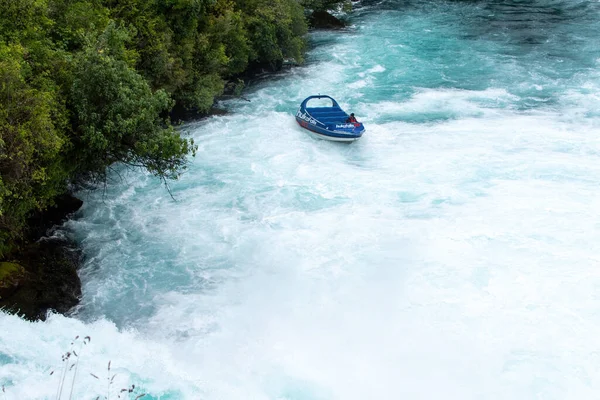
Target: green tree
{"type": "Point", "coordinates": [31, 145]}
{"type": "Point", "coordinates": [118, 116]}
{"type": "Point", "coordinates": [276, 29]}
{"type": "Point", "coordinates": [72, 20]}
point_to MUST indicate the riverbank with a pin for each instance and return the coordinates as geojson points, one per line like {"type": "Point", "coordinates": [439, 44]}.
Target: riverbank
{"type": "Point", "coordinates": [41, 276]}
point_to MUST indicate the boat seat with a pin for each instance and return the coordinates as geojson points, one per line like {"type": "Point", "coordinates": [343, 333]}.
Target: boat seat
{"type": "Point", "coordinates": [333, 119]}
{"type": "Point", "coordinates": [328, 115]}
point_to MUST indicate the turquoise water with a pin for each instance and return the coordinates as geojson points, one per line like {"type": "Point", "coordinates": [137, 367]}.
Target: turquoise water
{"type": "Point", "coordinates": [450, 253]}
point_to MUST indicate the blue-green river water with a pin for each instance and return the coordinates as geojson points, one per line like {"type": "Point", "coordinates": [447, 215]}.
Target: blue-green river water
{"type": "Point", "coordinates": [453, 252]}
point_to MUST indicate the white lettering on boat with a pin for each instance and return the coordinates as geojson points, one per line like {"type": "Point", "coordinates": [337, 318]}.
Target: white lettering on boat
{"type": "Point", "coordinates": [306, 117]}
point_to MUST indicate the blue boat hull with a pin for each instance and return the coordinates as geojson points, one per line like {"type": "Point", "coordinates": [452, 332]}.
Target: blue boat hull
{"type": "Point", "coordinates": [328, 123]}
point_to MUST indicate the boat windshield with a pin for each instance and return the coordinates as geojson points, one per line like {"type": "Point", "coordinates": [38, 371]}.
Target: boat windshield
{"type": "Point", "coordinates": [322, 102]}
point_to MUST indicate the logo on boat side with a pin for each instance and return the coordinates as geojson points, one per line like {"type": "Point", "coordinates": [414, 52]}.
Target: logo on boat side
{"type": "Point", "coordinates": [306, 117]}
{"type": "Point", "coordinates": [344, 126]}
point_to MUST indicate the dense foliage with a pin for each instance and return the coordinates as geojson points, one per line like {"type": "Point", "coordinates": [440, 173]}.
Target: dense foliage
{"type": "Point", "coordinates": [87, 83]}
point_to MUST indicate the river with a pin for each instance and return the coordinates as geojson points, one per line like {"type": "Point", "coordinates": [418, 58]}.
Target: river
{"type": "Point", "coordinates": [450, 253]}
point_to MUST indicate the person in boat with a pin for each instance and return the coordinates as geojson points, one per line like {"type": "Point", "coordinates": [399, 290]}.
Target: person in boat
{"type": "Point", "coordinates": [351, 119]}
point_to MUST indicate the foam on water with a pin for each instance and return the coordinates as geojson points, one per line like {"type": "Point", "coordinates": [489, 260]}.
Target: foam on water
{"type": "Point", "coordinates": [448, 253]}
